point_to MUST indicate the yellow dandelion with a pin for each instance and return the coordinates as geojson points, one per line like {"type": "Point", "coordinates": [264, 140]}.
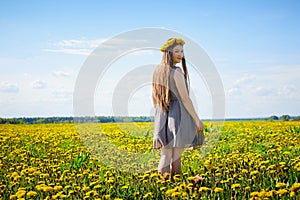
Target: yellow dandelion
{"type": "Point", "coordinates": [247, 188]}
{"type": "Point", "coordinates": [31, 170]}
{"type": "Point", "coordinates": [14, 174]}
{"type": "Point", "coordinates": [125, 187]}
{"type": "Point", "coordinates": [47, 188]}
{"type": "Point", "coordinates": [176, 194]}
{"type": "Point", "coordinates": [71, 192]}
{"type": "Point", "coordinates": [162, 188]}
{"type": "Point", "coordinates": [85, 188]}
{"type": "Point", "coordinates": [57, 187]}
{"type": "Point", "coordinates": [281, 191]}
{"type": "Point", "coordinates": [68, 186]}
{"type": "Point", "coordinates": [93, 183]}
{"type": "Point", "coordinates": [236, 185]}
{"type": "Point", "coordinates": [262, 193]}
{"type": "Point", "coordinates": [110, 181]}
{"type": "Point", "coordinates": [62, 196]}
{"type": "Point", "coordinates": [217, 189]}
{"type": "Point", "coordinates": [270, 193]}
{"type": "Point", "coordinates": [107, 196]}
{"type": "Point", "coordinates": [37, 173]}
{"type": "Point", "coordinates": [12, 196]}
{"type": "Point", "coordinates": [254, 172]}
{"type": "Point", "coordinates": [20, 193]}
{"type": "Point", "coordinates": [97, 186]}
{"type": "Point", "coordinates": [21, 188]}
{"type": "Point", "coordinates": [295, 186]}
{"type": "Point", "coordinates": [184, 194]}
{"type": "Point", "coordinates": [254, 193]}
{"type": "Point", "coordinates": [280, 185]}
{"type": "Point", "coordinates": [263, 167]}
{"type": "Point", "coordinates": [79, 175]}
{"type": "Point", "coordinates": [204, 189]}
{"type": "Point", "coordinates": [292, 194]}
{"type": "Point", "coordinates": [149, 194]}
{"type": "Point", "coordinates": [31, 194]}
{"type": "Point", "coordinates": [170, 191]}
{"type": "Point", "coordinates": [92, 192]}
{"type": "Point", "coordinates": [153, 175]}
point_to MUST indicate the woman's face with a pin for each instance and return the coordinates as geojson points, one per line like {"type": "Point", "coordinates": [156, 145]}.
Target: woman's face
{"type": "Point", "coordinates": [177, 54]}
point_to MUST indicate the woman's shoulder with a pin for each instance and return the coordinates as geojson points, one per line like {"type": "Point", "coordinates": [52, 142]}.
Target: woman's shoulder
{"type": "Point", "coordinates": [177, 69]}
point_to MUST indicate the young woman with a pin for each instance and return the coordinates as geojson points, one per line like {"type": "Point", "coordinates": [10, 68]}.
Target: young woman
{"type": "Point", "coordinates": [176, 124]}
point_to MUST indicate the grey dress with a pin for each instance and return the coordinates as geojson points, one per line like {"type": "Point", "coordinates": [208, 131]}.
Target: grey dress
{"type": "Point", "coordinates": [175, 128]}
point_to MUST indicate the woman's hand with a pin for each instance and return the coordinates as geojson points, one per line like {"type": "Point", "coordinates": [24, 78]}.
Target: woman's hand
{"type": "Point", "coordinates": [200, 126]}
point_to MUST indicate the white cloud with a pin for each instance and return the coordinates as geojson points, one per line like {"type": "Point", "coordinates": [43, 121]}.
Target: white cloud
{"type": "Point", "coordinates": [244, 79]}
{"type": "Point", "coordinates": [142, 52]}
{"type": "Point", "coordinates": [62, 94]}
{"type": "Point", "coordinates": [83, 52]}
{"type": "Point", "coordinates": [7, 87]}
{"type": "Point", "coordinates": [75, 46]}
{"type": "Point", "coordinates": [234, 91]}
{"type": "Point", "coordinates": [60, 73]}
{"type": "Point", "coordinates": [289, 92]}
{"type": "Point", "coordinates": [85, 47]}
{"type": "Point", "coordinates": [79, 44]}
{"type": "Point", "coordinates": [38, 84]}
{"type": "Point", "coordinates": [27, 75]}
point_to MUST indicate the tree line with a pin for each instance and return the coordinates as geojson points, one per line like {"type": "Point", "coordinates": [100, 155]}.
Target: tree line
{"type": "Point", "coordinates": [87, 119]}
{"type": "Point", "coordinates": [106, 119]}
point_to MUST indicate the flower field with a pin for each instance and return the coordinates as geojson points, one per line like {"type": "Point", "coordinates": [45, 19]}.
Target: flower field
{"type": "Point", "coordinates": [241, 160]}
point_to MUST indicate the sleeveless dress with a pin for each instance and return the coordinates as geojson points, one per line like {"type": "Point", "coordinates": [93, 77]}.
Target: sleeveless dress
{"type": "Point", "coordinates": [175, 128]}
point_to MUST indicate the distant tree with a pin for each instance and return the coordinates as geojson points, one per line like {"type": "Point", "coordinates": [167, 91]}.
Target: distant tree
{"type": "Point", "coordinates": [296, 118]}
{"type": "Point", "coordinates": [285, 118]}
{"type": "Point", "coordinates": [273, 117]}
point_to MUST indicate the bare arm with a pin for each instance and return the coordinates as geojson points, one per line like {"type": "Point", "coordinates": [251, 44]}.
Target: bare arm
{"type": "Point", "coordinates": [185, 98]}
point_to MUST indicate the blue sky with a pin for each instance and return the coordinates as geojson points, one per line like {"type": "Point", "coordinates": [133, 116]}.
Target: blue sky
{"type": "Point", "coordinates": [255, 46]}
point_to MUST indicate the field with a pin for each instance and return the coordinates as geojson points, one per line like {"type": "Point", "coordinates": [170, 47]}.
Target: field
{"type": "Point", "coordinates": [241, 160]}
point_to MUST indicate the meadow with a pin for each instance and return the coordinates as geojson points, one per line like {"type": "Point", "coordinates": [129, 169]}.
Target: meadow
{"type": "Point", "coordinates": [241, 160]}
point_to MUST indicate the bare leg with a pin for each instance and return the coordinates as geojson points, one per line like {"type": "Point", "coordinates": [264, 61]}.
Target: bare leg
{"type": "Point", "coordinates": [165, 160]}
{"type": "Point", "coordinates": [176, 161]}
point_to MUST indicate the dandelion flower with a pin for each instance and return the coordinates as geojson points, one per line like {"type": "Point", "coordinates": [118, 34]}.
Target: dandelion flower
{"type": "Point", "coordinates": [236, 185]}
{"type": "Point", "coordinates": [204, 189]}
{"type": "Point", "coordinates": [31, 194]}
{"type": "Point", "coordinates": [280, 185]}
{"type": "Point", "coordinates": [217, 189]}
{"type": "Point", "coordinates": [254, 193]}
{"type": "Point", "coordinates": [149, 194]}
{"type": "Point", "coordinates": [292, 194]}
{"type": "Point", "coordinates": [176, 194]}
{"type": "Point", "coordinates": [57, 187]}
{"type": "Point", "coordinates": [47, 188]}
{"type": "Point", "coordinates": [281, 192]}
{"type": "Point", "coordinates": [125, 187]}
{"type": "Point", "coordinates": [295, 186]}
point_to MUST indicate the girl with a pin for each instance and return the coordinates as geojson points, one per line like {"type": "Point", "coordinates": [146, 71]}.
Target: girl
{"type": "Point", "coordinates": [176, 124]}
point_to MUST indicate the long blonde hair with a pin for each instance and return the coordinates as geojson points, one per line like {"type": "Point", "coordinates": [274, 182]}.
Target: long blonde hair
{"type": "Point", "coordinates": [160, 83]}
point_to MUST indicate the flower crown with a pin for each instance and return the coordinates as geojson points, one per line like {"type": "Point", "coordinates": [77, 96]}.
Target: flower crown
{"type": "Point", "coordinates": [170, 42]}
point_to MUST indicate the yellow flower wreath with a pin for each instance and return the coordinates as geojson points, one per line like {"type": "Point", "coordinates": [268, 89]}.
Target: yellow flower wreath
{"type": "Point", "coordinates": [170, 42]}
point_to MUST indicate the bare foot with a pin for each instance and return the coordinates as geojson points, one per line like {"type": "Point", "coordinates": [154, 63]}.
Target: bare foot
{"type": "Point", "coordinates": [198, 178]}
